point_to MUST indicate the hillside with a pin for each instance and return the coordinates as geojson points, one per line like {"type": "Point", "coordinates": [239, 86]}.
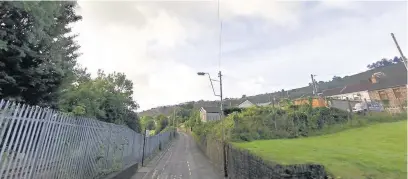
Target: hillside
{"type": "Point", "coordinates": [377, 151]}
{"type": "Point", "coordinates": [390, 72]}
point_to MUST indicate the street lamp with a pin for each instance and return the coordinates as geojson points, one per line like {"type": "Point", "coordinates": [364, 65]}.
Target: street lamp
{"type": "Point", "coordinates": [222, 114]}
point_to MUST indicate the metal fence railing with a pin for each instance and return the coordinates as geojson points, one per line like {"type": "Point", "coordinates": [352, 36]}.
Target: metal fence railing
{"type": "Point", "coordinates": [43, 143]}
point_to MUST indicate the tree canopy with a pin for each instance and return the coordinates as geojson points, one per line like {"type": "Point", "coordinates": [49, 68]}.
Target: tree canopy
{"type": "Point", "coordinates": [384, 62]}
{"type": "Point", "coordinates": [38, 65]}
{"type": "Point", "coordinates": [37, 51]}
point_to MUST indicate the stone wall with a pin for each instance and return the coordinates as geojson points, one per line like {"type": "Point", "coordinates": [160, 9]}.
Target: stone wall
{"type": "Point", "coordinates": [243, 165]}
{"type": "Point", "coordinates": [395, 97]}
{"type": "Point", "coordinates": [213, 150]}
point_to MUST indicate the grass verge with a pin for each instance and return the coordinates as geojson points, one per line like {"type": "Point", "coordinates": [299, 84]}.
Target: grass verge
{"type": "Point", "coordinates": [375, 151]}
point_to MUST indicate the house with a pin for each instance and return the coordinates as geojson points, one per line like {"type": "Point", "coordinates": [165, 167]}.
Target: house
{"type": "Point", "coordinates": [210, 113]}
{"type": "Point", "coordinates": [247, 104]}
{"type": "Point", "coordinates": [316, 102]}
{"type": "Point", "coordinates": [352, 92]}
{"type": "Point", "coordinates": [390, 92]}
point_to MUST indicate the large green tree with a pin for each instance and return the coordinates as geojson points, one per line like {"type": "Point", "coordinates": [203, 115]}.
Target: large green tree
{"type": "Point", "coordinates": [108, 97]}
{"type": "Point", "coordinates": [37, 51]}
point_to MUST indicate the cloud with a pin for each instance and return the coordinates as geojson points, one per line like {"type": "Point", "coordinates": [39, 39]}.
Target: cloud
{"type": "Point", "coordinates": [266, 45]}
{"type": "Point", "coordinates": [280, 13]}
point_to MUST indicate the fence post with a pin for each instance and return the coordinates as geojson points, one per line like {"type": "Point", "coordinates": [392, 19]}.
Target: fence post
{"type": "Point", "coordinates": [368, 107]}
{"type": "Point", "coordinates": [350, 109]}
{"type": "Point", "coordinates": [108, 162]}
{"type": "Point", "coordinates": [143, 150]}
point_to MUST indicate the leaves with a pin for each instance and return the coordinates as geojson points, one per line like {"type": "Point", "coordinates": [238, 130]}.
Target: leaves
{"type": "Point", "coordinates": [107, 98]}
{"type": "Point", "coordinates": [384, 62]}
{"type": "Point", "coordinates": [35, 65]}
{"type": "Point", "coordinates": [3, 45]}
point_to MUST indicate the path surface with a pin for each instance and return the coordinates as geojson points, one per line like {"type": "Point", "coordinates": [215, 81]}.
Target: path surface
{"type": "Point", "coordinates": [183, 160]}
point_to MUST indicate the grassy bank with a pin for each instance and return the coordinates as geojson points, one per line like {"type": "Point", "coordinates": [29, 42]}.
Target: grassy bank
{"type": "Point", "coordinates": [375, 151]}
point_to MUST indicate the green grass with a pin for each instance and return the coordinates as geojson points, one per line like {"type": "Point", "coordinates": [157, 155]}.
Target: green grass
{"type": "Point", "coordinates": [376, 151]}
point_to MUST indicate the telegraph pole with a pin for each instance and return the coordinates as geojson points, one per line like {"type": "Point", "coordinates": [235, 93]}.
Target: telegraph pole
{"type": "Point", "coordinates": [222, 128]}
{"type": "Point", "coordinates": [313, 85]}
{"type": "Point", "coordinates": [404, 60]}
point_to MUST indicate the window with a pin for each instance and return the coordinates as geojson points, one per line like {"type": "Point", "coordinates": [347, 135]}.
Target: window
{"type": "Point", "coordinates": [383, 95]}
{"type": "Point", "coordinates": [397, 92]}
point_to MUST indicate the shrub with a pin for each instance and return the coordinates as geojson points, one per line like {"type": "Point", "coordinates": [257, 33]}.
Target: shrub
{"type": "Point", "coordinates": [272, 123]}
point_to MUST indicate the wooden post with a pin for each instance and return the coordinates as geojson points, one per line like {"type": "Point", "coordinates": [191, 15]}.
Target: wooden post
{"type": "Point", "coordinates": [350, 109]}
{"type": "Point", "coordinates": [368, 108]}
{"type": "Point", "coordinates": [143, 150]}
{"type": "Point", "coordinates": [273, 103]}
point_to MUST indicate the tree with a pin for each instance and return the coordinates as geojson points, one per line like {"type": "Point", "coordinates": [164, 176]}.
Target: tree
{"type": "Point", "coordinates": [336, 78]}
{"type": "Point", "coordinates": [107, 98]}
{"type": "Point", "coordinates": [384, 62]}
{"type": "Point", "coordinates": [36, 51]}
{"type": "Point", "coordinates": [150, 125]}
{"type": "Point", "coordinates": [162, 122]}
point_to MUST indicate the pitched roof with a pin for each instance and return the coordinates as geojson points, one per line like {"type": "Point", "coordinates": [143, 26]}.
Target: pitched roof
{"type": "Point", "coordinates": [212, 109]}
{"type": "Point", "coordinates": [333, 91]}
{"type": "Point", "coordinates": [355, 88]}
{"type": "Point", "coordinates": [390, 82]}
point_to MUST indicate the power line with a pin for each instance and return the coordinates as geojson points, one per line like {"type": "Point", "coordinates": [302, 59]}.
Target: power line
{"type": "Point", "coordinates": [220, 35]}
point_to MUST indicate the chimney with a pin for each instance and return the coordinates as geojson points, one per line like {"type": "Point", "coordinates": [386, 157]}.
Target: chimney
{"type": "Point", "coordinates": [373, 79]}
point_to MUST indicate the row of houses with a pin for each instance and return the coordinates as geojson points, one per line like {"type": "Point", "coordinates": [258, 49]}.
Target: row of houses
{"type": "Point", "coordinates": [390, 91]}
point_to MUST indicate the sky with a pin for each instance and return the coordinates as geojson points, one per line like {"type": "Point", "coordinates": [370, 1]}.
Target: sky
{"type": "Point", "coordinates": [262, 47]}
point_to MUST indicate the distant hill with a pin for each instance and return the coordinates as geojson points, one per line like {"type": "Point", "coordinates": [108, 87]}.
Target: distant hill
{"type": "Point", "coordinates": [390, 71]}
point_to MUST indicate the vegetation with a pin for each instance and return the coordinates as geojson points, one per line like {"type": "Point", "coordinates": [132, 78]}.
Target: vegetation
{"type": "Point", "coordinates": [290, 121]}
{"type": "Point", "coordinates": [376, 151]}
{"type": "Point", "coordinates": [37, 51]}
{"type": "Point", "coordinates": [385, 62]}
{"type": "Point", "coordinates": [162, 122]}
{"type": "Point", "coordinates": [38, 65]}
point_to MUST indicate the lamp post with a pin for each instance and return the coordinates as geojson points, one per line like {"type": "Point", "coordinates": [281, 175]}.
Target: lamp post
{"type": "Point", "coordinates": [221, 116]}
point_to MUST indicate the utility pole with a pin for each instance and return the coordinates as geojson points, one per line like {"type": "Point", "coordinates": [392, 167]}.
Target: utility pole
{"type": "Point", "coordinates": [404, 60]}
{"type": "Point", "coordinates": [222, 128]}
{"type": "Point", "coordinates": [221, 116]}
{"type": "Point", "coordinates": [313, 85]}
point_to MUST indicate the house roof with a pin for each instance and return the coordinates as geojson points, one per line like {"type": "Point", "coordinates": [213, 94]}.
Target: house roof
{"type": "Point", "coordinates": [333, 91]}
{"type": "Point", "coordinates": [212, 109]}
{"type": "Point", "coordinates": [355, 88]}
{"type": "Point", "coordinates": [389, 83]}
{"type": "Point", "coordinates": [347, 89]}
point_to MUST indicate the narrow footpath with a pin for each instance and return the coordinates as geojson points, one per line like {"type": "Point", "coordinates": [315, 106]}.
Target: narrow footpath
{"type": "Point", "coordinates": [183, 160]}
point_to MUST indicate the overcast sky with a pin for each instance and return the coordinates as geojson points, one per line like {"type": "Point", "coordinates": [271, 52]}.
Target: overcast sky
{"type": "Point", "coordinates": [265, 45]}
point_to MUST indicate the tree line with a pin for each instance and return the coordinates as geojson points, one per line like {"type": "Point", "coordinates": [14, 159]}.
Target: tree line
{"type": "Point", "coordinates": [38, 65]}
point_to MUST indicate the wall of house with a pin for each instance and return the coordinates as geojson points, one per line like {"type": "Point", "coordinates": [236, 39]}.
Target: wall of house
{"type": "Point", "coordinates": [213, 116]}
{"type": "Point", "coordinates": [361, 95]}
{"type": "Point", "coordinates": [392, 97]}
{"type": "Point", "coordinates": [245, 104]}
{"type": "Point", "coordinates": [316, 102]}
{"type": "Point", "coordinates": [203, 115]}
